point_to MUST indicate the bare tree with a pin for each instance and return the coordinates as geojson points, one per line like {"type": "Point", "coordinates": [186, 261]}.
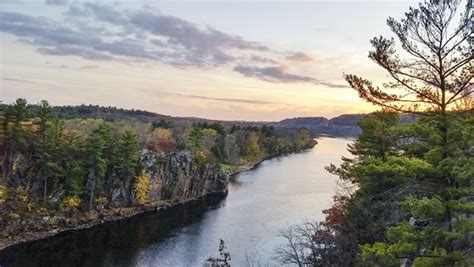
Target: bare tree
{"type": "Point", "coordinates": [224, 257]}
{"type": "Point", "coordinates": [308, 244]}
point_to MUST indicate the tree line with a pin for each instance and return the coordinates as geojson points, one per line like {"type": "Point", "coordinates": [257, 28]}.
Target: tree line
{"type": "Point", "coordinates": [52, 165]}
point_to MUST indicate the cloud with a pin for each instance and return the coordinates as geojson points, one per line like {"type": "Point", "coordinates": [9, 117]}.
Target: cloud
{"type": "Point", "coordinates": [57, 2]}
{"type": "Point", "coordinates": [220, 99]}
{"type": "Point", "coordinates": [271, 74]}
{"type": "Point", "coordinates": [15, 80]}
{"type": "Point", "coordinates": [278, 74]}
{"type": "Point", "coordinates": [266, 60]}
{"type": "Point", "coordinates": [197, 45]}
{"type": "Point", "coordinates": [89, 67]}
{"type": "Point", "coordinates": [101, 32]}
{"type": "Point", "coordinates": [234, 100]}
{"type": "Point", "coordinates": [300, 56]}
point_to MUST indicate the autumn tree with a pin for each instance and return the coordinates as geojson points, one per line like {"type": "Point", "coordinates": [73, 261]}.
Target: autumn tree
{"type": "Point", "coordinates": [141, 188]}
{"type": "Point", "coordinates": [251, 149]}
{"type": "Point", "coordinates": [161, 139]}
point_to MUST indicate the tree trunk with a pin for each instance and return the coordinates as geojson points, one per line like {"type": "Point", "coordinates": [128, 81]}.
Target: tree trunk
{"type": "Point", "coordinates": [45, 189]}
{"type": "Point", "coordinates": [91, 197]}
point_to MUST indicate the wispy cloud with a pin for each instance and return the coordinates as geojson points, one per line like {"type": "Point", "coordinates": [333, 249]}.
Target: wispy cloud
{"type": "Point", "coordinates": [89, 67]}
{"type": "Point", "coordinates": [278, 74]}
{"type": "Point", "coordinates": [219, 99]}
{"type": "Point", "coordinates": [300, 56]}
{"type": "Point", "coordinates": [15, 80]}
{"type": "Point", "coordinates": [57, 2]}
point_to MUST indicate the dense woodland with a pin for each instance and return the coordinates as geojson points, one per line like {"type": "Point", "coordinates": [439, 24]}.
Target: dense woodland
{"type": "Point", "coordinates": [54, 168]}
{"type": "Point", "coordinates": [407, 192]}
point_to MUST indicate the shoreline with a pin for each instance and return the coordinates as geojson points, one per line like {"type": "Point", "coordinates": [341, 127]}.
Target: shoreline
{"type": "Point", "coordinates": [117, 214]}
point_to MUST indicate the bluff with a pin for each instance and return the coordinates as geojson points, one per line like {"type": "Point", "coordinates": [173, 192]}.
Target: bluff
{"type": "Point", "coordinates": [345, 125]}
{"type": "Point", "coordinates": [179, 176]}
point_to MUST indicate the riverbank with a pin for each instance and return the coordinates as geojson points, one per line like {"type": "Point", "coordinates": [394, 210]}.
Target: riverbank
{"type": "Point", "coordinates": [79, 222]}
{"type": "Point", "coordinates": [83, 220]}
{"type": "Point", "coordinates": [253, 165]}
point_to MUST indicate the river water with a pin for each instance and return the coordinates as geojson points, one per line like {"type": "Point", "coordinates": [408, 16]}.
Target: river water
{"type": "Point", "coordinates": [279, 193]}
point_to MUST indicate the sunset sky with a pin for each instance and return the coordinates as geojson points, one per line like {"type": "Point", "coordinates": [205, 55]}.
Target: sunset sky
{"type": "Point", "coordinates": [221, 60]}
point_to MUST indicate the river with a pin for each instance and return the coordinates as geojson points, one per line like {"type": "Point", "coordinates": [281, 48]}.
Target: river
{"type": "Point", "coordinates": [279, 193]}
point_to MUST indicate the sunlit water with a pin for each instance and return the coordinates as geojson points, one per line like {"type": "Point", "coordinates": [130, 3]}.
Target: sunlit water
{"type": "Point", "coordinates": [279, 193]}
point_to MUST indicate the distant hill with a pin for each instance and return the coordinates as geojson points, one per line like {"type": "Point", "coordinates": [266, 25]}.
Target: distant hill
{"type": "Point", "coordinates": [343, 125]}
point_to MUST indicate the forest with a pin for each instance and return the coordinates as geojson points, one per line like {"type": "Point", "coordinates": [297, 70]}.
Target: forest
{"type": "Point", "coordinates": [58, 171]}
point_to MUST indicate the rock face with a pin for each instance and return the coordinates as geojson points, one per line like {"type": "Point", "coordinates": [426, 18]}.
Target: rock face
{"type": "Point", "coordinates": [175, 176]}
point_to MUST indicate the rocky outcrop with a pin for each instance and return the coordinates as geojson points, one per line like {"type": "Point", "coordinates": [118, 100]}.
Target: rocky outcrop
{"type": "Point", "coordinates": [174, 176]}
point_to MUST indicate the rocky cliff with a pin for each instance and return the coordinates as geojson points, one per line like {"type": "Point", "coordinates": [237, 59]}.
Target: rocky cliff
{"type": "Point", "coordinates": [175, 176]}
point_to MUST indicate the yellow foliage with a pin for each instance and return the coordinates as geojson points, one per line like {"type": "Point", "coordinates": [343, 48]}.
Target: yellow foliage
{"type": "Point", "coordinates": [303, 138]}
{"type": "Point", "coordinates": [210, 132]}
{"type": "Point", "coordinates": [200, 159]}
{"type": "Point", "coordinates": [71, 202]}
{"type": "Point", "coordinates": [3, 194]}
{"type": "Point", "coordinates": [142, 188]}
{"type": "Point", "coordinates": [101, 200]}
{"type": "Point", "coordinates": [252, 148]}
{"type": "Point", "coordinates": [13, 216]}
{"type": "Point", "coordinates": [161, 133]}
{"type": "Point", "coordinates": [41, 211]}
{"type": "Point", "coordinates": [20, 194]}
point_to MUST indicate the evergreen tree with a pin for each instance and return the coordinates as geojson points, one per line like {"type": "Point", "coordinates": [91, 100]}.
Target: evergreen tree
{"type": "Point", "coordinates": [16, 134]}
{"type": "Point", "coordinates": [127, 156]}
{"type": "Point", "coordinates": [125, 161]}
{"type": "Point", "coordinates": [438, 74]}
{"type": "Point", "coordinates": [437, 77]}
{"type": "Point", "coordinates": [45, 146]}
{"type": "Point", "coordinates": [95, 164]}
{"type": "Point", "coordinates": [74, 166]}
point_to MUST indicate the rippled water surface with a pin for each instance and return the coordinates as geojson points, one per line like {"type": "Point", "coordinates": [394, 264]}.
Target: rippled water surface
{"type": "Point", "coordinates": [280, 192]}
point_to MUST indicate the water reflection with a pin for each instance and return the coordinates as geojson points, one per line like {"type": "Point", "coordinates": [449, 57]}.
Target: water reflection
{"type": "Point", "coordinates": [281, 192]}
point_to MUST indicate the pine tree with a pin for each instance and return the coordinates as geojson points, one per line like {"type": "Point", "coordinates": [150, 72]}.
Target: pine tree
{"type": "Point", "coordinates": [95, 164]}
{"type": "Point", "coordinates": [125, 162]}
{"type": "Point", "coordinates": [438, 74]}
{"type": "Point", "coordinates": [16, 134]}
{"type": "Point", "coordinates": [44, 146]}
